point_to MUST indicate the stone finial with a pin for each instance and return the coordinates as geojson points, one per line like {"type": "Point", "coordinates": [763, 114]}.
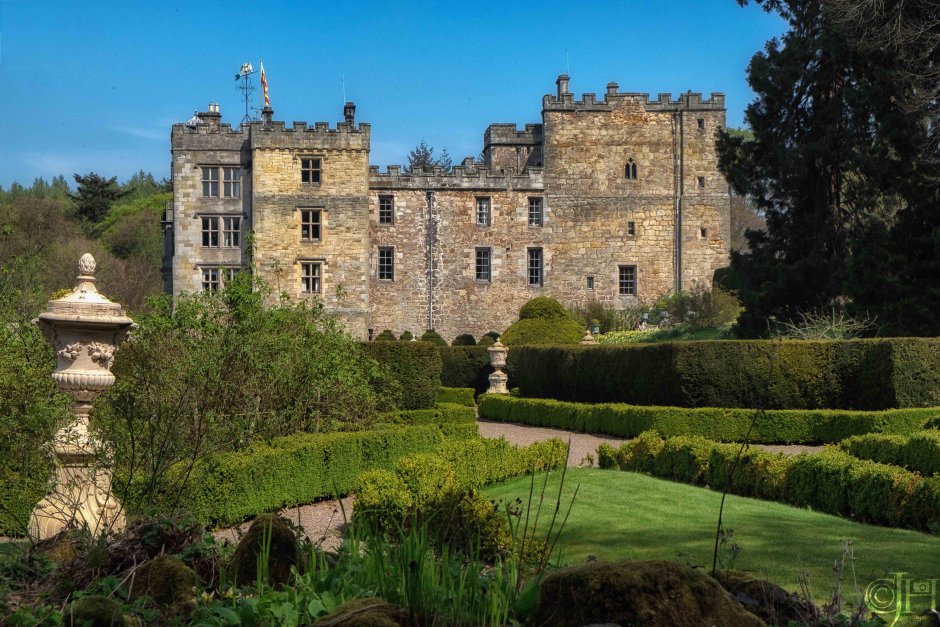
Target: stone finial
{"type": "Point", "coordinates": [87, 265]}
{"type": "Point", "coordinates": [588, 338]}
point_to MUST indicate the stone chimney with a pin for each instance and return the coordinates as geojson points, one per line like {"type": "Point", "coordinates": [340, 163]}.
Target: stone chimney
{"type": "Point", "coordinates": [349, 112]}
{"type": "Point", "coordinates": [267, 114]}
{"type": "Point", "coordinates": [612, 89]}
{"type": "Point", "coordinates": [211, 118]}
{"type": "Point", "coordinates": [562, 83]}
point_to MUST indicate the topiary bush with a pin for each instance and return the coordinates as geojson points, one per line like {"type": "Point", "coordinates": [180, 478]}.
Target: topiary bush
{"type": "Point", "coordinates": [433, 337]}
{"type": "Point", "coordinates": [919, 452]}
{"type": "Point", "coordinates": [465, 367]}
{"type": "Point", "coordinates": [385, 336]}
{"type": "Point", "coordinates": [406, 336]}
{"type": "Point", "coordinates": [464, 339]}
{"type": "Point", "coordinates": [415, 366]}
{"type": "Point", "coordinates": [543, 320]}
{"type": "Point", "coordinates": [486, 340]}
{"type": "Point", "coordinates": [270, 535]}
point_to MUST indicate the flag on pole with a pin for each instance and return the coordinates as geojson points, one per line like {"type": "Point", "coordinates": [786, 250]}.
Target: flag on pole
{"type": "Point", "coordinates": [264, 86]}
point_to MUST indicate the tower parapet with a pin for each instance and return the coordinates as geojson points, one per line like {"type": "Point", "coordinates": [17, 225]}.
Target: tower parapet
{"type": "Point", "coordinates": [469, 176]}
{"type": "Point", "coordinates": [564, 101]}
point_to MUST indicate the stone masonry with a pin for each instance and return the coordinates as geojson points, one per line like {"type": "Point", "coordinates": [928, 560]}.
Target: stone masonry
{"type": "Point", "coordinates": [455, 251]}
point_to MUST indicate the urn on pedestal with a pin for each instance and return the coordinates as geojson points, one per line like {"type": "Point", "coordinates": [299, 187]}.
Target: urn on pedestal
{"type": "Point", "coordinates": [85, 328]}
{"type": "Point", "coordinates": [498, 360]}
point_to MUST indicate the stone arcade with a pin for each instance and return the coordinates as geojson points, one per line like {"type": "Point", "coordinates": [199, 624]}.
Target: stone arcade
{"type": "Point", "coordinates": [609, 200]}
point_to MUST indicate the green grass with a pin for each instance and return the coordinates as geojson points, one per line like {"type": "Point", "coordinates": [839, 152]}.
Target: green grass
{"type": "Point", "coordinates": [628, 515]}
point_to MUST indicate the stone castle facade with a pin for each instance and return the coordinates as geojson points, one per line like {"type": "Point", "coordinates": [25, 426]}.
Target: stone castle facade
{"type": "Point", "coordinates": [613, 200]}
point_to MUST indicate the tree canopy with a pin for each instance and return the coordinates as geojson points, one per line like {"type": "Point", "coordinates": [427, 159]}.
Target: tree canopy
{"type": "Point", "coordinates": [422, 159]}
{"type": "Point", "coordinates": [95, 195]}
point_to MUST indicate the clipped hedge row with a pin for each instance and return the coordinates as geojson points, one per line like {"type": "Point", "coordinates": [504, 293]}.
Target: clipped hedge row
{"type": "Point", "coordinates": [445, 413]}
{"type": "Point", "coordinates": [226, 489]}
{"type": "Point", "coordinates": [721, 424]}
{"type": "Point", "coordinates": [456, 396]}
{"type": "Point", "coordinates": [465, 367]}
{"type": "Point", "coordinates": [831, 481]}
{"type": "Point", "coordinates": [415, 365]}
{"type": "Point", "coordinates": [422, 484]}
{"type": "Point", "coordinates": [919, 452]}
{"type": "Point", "coordinates": [868, 374]}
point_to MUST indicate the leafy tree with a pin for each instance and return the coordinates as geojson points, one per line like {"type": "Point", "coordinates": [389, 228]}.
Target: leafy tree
{"type": "Point", "coordinates": [832, 150]}
{"type": "Point", "coordinates": [422, 159]}
{"type": "Point", "coordinates": [94, 196]}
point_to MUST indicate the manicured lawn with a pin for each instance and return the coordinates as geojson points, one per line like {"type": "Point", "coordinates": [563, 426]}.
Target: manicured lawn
{"type": "Point", "coordinates": [623, 514]}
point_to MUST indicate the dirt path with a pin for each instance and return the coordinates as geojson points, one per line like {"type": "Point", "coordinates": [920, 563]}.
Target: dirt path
{"type": "Point", "coordinates": [323, 521]}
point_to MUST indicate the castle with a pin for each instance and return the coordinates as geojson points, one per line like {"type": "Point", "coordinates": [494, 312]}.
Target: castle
{"type": "Point", "coordinates": [611, 200]}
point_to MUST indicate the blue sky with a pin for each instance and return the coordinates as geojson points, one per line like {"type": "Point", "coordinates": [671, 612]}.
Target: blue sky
{"type": "Point", "coordinates": [96, 85]}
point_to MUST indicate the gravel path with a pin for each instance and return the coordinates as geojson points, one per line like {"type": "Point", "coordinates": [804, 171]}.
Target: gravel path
{"type": "Point", "coordinates": [323, 521]}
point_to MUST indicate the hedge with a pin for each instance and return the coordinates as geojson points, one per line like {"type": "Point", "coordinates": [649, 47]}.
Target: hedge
{"type": "Point", "coordinates": [782, 426]}
{"type": "Point", "coordinates": [465, 367]}
{"type": "Point", "coordinates": [831, 481]}
{"type": "Point", "coordinates": [457, 396]}
{"type": "Point", "coordinates": [415, 365]}
{"type": "Point", "coordinates": [869, 374]}
{"type": "Point", "coordinates": [919, 452]}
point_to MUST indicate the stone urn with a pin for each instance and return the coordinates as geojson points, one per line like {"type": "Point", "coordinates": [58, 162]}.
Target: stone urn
{"type": "Point", "coordinates": [85, 328]}
{"type": "Point", "coordinates": [498, 360]}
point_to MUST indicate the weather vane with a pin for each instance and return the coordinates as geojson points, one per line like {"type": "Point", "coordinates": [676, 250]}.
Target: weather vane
{"type": "Point", "coordinates": [246, 87]}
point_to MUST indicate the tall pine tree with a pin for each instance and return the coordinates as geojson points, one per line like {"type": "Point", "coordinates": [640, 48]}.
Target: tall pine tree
{"type": "Point", "coordinates": [831, 151]}
{"type": "Point", "coordinates": [94, 196]}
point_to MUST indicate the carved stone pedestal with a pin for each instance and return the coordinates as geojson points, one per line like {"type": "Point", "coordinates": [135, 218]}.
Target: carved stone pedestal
{"type": "Point", "coordinates": [85, 328]}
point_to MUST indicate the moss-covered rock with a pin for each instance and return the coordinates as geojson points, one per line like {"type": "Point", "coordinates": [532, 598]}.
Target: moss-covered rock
{"type": "Point", "coordinates": [169, 582]}
{"type": "Point", "coordinates": [64, 547]}
{"type": "Point", "coordinates": [649, 593]}
{"type": "Point", "coordinates": [95, 610]}
{"type": "Point", "coordinates": [369, 612]}
{"type": "Point", "coordinates": [767, 600]}
{"type": "Point", "coordinates": [271, 533]}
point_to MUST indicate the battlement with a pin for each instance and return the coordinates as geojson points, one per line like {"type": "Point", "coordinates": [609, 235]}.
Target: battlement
{"type": "Point", "coordinates": [509, 134]}
{"type": "Point", "coordinates": [303, 136]}
{"type": "Point", "coordinates": [469, 175]}
{"type": "Point", "coordinates": [564, 100]}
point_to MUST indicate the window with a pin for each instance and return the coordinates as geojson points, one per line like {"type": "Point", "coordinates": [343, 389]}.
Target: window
{"type": "Point", "coordinates": [703, 232]}
{"type": "Point", "coordinates": [310, 277]}
{"type": "Point", "coordinates": [483, 210]}
{"type": "Point", "coordinates": [310, 224]}
{"type": "Point", "coordinates": [231, 182]}
{"type": "Point", "coordinates": [630, 171]}
{"type": "Point", "coordinates": [386, 263]}
{"type": "Point", "coordinates": [231, 229]}
{"type": "Point", "coordinates": [590, 283]}
{"type": "Point", "coordinates": [230, 273]}
{"type": "Point", "coordinates": [484, 265]}
{"type": "Point", "coordinates": [210, 279]}
{"type": "Point", "coordinates": [309, 170]}
{"type": "Point", "coordinates": [701, 124]}
{"type": "Point", "coordinates": [627, 282]}
{"type": "Point", "coordinates": [386, 210]}
{"type": "Point", "coordinates": [210, 232]}
{"type": "Point", "coordinates": [701, 182]}
{"type": "Point", "coordinates": [631, 229]}
{"type": "Point", "coordinates": [536, 274]}
{"type": "Point", "coordinates": [535, 211]}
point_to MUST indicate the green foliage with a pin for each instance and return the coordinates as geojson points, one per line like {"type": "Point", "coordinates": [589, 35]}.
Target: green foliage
{"type": "Point", "coordinates": [464, 339]}
{"type": "Point", "coordinates": [723, 424]}
{"type": "Point", "coordinates": [465, 367]}
{"type": "Point", "coordinates": [269, 546]}
{"type": "Point", "coordinates": [96, 610]}
{"type": "Point", "coordinates": [485, 341]}
{"type": "Point", "coordinates": [699, 307]}
{"type": "Point", "coordinates": [406, 336]}
{"type": "Point", "coordinates": [434, 337]}
{"type": "Point", "coordinates": [543, 331]}
{"type": "Point", "coordinates": [825, 325]}
{"type": "Point", "coordinates": [542, 307]}
{"type": "Point", "coordinates": [414, 366]}
{"type": "Point", "coordinates": [457, 396]}
{"type": "Point", "coordinates": [386, 336]}
{"type": "Point", "coordinates": [831, 481]}
{"type": "Point", "coordinates": [919, 452]}
{"type": "Point", "coordinates": [132, 230]}
{"type": "Point", "coordinates": [855, 374]}
{"type": "Point", "coordinates": [422, 159]}
{"type": "Point", "coordinates": [94, 196]}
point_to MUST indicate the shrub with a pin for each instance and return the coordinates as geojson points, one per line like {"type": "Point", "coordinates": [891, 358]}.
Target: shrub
{"type": "Point", "coordinates": [486, 340]}
{"type": "Point", "coordinates": [543, 331]}
{"type": "Point", "coordinates": [492, 335]}
{"type": "Point", "coordinates": [920, 452]}
{"type": "Point", "coordinates": [700, 307]}
{"type": "Point", "coordinates": [386, 336]}
{"type": "Point", "coordinates": [416, 366]}
{"type": "Point", "coordinates": [831, 481]}
{"type": "Point", "coordinates": [464, 339]}
{"type": "Point", "coordinates": [433, 337]}
{"type": "Point", "coordinates": [465, 367]}
{"type": "Point", "coordinates": [853, 374]}
{"type": "Point", "coordinates": [406, 336]}
{"type": "Point", "coordinates": [726, 425]}
{"type": "Point", "coordinates": [457, 396]}
{"type": "Point", "coordinates": [543, 307]}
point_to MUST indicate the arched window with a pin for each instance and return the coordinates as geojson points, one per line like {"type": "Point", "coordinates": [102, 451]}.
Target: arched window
{"type": "Point", "coordinates": [630, 171]}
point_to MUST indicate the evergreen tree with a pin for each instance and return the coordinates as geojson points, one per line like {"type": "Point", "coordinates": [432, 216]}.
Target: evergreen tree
{"type": "Point", "coordinates": [94, 196]}
{"type": "Point", "coordinates": [421, 159]}
{"type": "Point", "coordinates": [831, 151]}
